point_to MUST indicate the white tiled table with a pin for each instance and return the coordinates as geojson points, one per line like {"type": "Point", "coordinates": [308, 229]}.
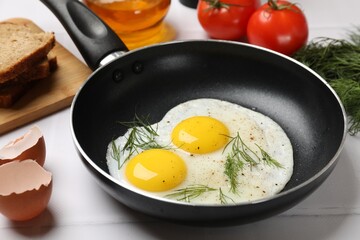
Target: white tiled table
{"type": "Point", "coordinates": [80, 209]}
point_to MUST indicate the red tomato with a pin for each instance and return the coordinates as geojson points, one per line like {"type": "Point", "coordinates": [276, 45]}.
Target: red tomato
{"type": "Point", "coordinates": [226, 19]}
{"type": "Point", "coordinates": [282, 28]}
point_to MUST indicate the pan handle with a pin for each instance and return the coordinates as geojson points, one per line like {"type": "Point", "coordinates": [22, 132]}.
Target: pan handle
{"type": "Point", "coordinates": [93, 38]}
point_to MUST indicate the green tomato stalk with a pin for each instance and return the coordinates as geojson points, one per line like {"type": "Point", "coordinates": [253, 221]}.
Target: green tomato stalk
{"type": "Point", "coordinates": [283, 6]}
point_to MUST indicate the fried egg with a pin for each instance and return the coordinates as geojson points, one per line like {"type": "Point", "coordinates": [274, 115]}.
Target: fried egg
{"type": "Point", "coordinates": [205, 151]}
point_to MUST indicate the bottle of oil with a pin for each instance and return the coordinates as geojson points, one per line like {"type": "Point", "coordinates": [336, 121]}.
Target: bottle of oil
{"type": "Point", "coordinates": [137, 22]}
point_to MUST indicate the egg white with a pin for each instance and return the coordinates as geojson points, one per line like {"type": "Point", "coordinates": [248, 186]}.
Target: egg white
{"type": "Point", "coordinates": [255, 182]}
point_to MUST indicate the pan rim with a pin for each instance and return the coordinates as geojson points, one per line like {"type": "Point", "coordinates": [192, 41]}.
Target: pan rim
{"type": "Point", "coordinates": [185, 204]}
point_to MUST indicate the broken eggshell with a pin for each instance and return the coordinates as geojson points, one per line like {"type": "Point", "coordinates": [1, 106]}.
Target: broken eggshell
{"type": "Point", "coordinates": [29, 146]}
{"type": "Point", "coordinates": [25, 189]}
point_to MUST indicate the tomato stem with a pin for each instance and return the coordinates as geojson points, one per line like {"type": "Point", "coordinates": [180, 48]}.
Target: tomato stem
{"type": "Point", "coordinates": [217, 4]}
{"type": "Point", "coordinates": [275, 6]}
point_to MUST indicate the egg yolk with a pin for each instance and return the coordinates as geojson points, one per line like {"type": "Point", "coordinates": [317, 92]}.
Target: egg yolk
{"type": "Point", "coordinates": [156, 170]}
{"type": "Point", "coordinates": [200, 134]}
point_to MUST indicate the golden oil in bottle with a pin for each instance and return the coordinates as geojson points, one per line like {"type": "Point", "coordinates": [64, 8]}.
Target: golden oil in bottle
{"type": "Point", "coordinates": [137, 22]}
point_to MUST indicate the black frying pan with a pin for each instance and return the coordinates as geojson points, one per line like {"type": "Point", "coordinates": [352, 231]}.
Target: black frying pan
{"type": "Point", "coordinates": [152, 80]}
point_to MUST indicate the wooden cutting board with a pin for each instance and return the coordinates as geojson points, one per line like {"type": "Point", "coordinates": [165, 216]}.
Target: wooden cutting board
{"type": "Point", "coordinates": [48, 95]}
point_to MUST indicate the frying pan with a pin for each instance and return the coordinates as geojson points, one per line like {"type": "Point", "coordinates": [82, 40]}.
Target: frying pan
{"type": "Point", "coordinates": [152, 80]}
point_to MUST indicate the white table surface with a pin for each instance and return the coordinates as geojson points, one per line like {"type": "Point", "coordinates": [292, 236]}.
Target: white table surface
{"type": "Point", "coordinates": [79, 208]}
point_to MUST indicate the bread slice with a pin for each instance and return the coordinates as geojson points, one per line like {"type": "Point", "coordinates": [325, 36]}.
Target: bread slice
{"type": "Point", "coordinates": [21, 48]}
{"type": "Point", "coordinates": [52, 59]}
{"type": "Point", "coordinates": [39, 71]}
{"type": "Point", "coordinates": [25, 57]}
{"type": "Point", "coordinates": [11, 93]}
{"type": "Point", "coordinates": [12, 90]}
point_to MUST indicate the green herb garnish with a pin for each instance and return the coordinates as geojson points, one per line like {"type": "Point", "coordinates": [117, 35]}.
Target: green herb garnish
{"type": "Point", "coordinates": [268, 159]}
{"type": "Point", "coordinates": [240, 155]}
{"type": "Point", "coordinates": [233, 166]}
{"type": "Point", "coordinates": [194, 191]}
{"type": "Point", "coordinates": [141, 137]}
{"type": "Point", "coordinates": [223, 198]}
{"type": "Point", "coordinates": [338, 62]}
{"type": "Point", "coordinates": [240, 151]}
{"type": "Point", "coordinates": [190, 192]}
{"type": "Point", "coordinates": [116, 153]}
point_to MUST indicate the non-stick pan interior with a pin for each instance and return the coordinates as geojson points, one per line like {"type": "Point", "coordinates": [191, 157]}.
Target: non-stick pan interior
{"type": "Point", "coordinates": [153, 80]}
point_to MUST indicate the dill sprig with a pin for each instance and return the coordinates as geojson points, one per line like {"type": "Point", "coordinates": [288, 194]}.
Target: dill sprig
{"type": "Point", "coordinates": [268, 159]}
{"type": "Point", "coordinates": [115, 154]}
{"type": "Point", "coordinates": [194, 191]}
{"type": "Point", "coordinates": [142, 134]}
{"type": "Point", "coordinates": [233, 165]}
{"type": "Point", "coordinates": [188, 193]}
{"type": "Point", "coordinates": [338, 62]}
{"type": "Point", "coordinates": [240, 151]}
{"type": "Point", "coordinates": [141, 137]}
{"type": "Point", "coordinates": [240, 155]}
{"type": "Point", "coordinates": [224, 199]}
{"type": "Point", "coordinates": [349, 93]}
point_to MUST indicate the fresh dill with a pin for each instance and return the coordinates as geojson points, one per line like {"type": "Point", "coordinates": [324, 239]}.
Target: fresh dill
{"type": "Point", "coordinates": [349, 93]}
{"type": "Point", "coordinates": [240, 155]}
{"type": "Point", "coordinates": [115, 154]}
{"type": "Point", "coordinates": [193, 191]}
{"type": "Point", "coordinates": [141, 137]}
{"type": "Point", "coordinates": [268, 159]}
{"type": "Point", "coordinates": [338, 62]}
{"type": "Point", "coordinates": [233, 165]}
{"type": "Point", "coordinates": [142, 134]}
{"type": "Point", "coordinates": [188, 193]}
{"type": "Point", "coordinates": [240, 151]}
{"type": "Point", "coordinates": [223, 198]}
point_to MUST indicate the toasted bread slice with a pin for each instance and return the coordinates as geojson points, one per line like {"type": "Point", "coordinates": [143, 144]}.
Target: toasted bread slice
{"type": "Point", "coordinates": [10, 94]}
{"type": "Point", "coordinates": [52, 59]}
{"type": "Point", "coordinates": [25, 56]}
{"type": "Point", "coordinates": [39, 71]}
{"type": "Point", "coordinates": [21, 48]}
{"type": "Point", "coordinates": [12, 90]}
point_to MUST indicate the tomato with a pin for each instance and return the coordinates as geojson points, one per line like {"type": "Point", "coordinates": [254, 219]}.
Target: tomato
{"type": "Point", "coordinates": [281, 27]}
{"type": "Point", "coordinates": [226, 19]}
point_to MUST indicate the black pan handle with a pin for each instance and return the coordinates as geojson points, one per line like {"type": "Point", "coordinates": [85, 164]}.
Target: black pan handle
{"type": "Point", "coordinates": [94, 39]}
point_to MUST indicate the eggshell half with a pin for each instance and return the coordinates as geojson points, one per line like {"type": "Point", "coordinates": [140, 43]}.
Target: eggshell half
{"type": "Point", "coordinates": [25, 189]}
{"type": "Point", "coordinates": [29, 146]}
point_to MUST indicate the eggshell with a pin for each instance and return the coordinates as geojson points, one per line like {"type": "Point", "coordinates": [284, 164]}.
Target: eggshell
{"type": "Point", "coordinates": [29, 146]}
{"type": "Point", "coordinates": [25, 189]}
